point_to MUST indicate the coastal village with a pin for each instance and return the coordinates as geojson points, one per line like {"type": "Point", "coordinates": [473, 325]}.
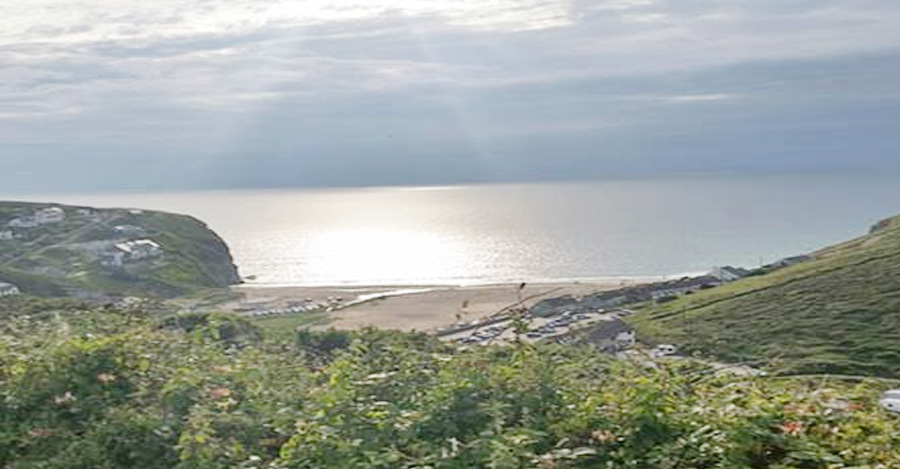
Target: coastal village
{"type": "Point", "coordinates": [93, 234]}
{"type": "Point", "coordinates": [597, 318]}
{"type": "Point", "coordinates": [116, 243]}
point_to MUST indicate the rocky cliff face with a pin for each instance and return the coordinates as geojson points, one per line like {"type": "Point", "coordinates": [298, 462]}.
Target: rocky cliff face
{"type": "Point", "coordinates": [56, 250]}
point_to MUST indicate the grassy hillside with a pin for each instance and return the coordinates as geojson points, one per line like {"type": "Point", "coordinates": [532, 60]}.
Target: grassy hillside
{"type": "Point", "coordinates": [61, 259]}
{"type": "Point", "coordinates": [124, 390]}
{"type": "Point", "coordinates": [837, 313]}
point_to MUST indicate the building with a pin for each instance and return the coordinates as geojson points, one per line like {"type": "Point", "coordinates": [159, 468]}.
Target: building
{"type": "Point", "coordinates": [728, 273]}
{"type": "Point", "coordinates": [112, 259]}
{"type": "Point", "coordinates": [46, 216]}
{"type": "Point", "coordinates": [610, 336]}
{"type": "Point", "coordinates": [6, 235]}
{"type": "Point", "coordinates": [128, 230]}
{"type": "Point", "coordinates": [27, 221]}
{"type": "Point", "coordinates": [8, 289]}
{"type": "Point", "coordinates": [789, 261]}
{"type": "Point", "coordinates": [683, 286]}
{"type": "Point", "coordinates": [139, 250]}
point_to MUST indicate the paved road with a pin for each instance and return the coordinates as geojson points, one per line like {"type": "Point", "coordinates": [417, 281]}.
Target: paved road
{"type": "Point", "coordinates": [507, 335]}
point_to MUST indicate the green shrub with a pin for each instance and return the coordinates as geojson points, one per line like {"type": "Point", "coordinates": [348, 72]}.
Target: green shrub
{"type": "Point", "coordinates": [100, 390]}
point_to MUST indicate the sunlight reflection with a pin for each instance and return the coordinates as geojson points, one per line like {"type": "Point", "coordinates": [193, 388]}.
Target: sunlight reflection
{"type": "Point", "coordinates": [385, 254]}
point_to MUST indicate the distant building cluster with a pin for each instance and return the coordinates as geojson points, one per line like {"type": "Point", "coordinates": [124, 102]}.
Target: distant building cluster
{"type": "Point", "coordinates": [655, 292]}
{"type": "Point", "coordinates": [43, 216]}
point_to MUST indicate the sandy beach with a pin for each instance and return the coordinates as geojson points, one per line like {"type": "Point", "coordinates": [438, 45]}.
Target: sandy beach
{"type": "Point", "coordinates": [419, 308]}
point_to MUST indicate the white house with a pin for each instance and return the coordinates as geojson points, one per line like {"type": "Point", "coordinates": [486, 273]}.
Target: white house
{"type": "Point", "coordinates": [8, 289]}
{"type": "Point", "coordinates": [44, 216]}
{"type": "Point", "coordinates": [140, 249]}
{"type": "Point", "coordinates": [27, 221]}
{"type": "Point", "coordinates": [6, 235]}
{"type": "Point", "coordinates": [50, 215]}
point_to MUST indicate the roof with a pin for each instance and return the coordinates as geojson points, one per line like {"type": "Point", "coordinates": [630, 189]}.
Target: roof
{"type": "Point", "coordinates": [607, 330]}
{"type": "Point", "coordinates": [4, 285]}
{"type": "Point", "coordinates": [140, 244]}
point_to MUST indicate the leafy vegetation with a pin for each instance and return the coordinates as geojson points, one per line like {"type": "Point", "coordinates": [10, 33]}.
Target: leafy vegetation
{"type": "Point", "coordinates": [114, 389]}
{"type": "Point", "coordinates": [836, 313]}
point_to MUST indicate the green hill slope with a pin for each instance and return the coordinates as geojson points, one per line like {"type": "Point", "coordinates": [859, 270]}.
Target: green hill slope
{"type": "Point", "coordinates": [836, 313]}
{"type": "Point", "coordinates": [83, 254]}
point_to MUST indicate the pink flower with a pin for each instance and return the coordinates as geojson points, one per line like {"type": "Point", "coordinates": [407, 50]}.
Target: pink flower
{"type": "Point", "coordinates": [40, 432]}
{"type": "Point", "coordinates": [602, 436]}
{"type": "Point", "coordinates": [792, 428]}
{"type": "Point", "coordinates": [220, 392]}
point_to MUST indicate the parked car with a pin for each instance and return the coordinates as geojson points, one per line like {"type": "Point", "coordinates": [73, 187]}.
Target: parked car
{"type": "Point", "coordinates": [890, 400]}
{"type": "Point", "coordinates": [665, 350]}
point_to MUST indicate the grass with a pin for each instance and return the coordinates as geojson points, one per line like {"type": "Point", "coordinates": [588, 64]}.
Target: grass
{"type": "Point", "coordinates": [283, 326]}
{"type": "Point", "coordinates": [195, 257]}
{"type": "Point", "coordinates": [837, 313]}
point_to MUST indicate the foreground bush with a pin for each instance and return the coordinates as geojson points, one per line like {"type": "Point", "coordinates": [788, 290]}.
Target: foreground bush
{"type": "Point", "coordinates": [99, 390]}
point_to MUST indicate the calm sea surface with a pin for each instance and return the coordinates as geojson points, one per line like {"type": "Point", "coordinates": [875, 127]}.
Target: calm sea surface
{"type": "Point", "coordinates": [528, 232]}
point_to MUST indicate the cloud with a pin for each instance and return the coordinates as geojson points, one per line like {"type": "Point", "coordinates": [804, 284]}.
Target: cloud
{"type": "Point", "coordinates": [696, 98]}
{"type": "Point", "coordinates": [454, 79]}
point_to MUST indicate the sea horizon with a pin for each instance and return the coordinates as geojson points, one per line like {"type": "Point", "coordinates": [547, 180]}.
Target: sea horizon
{"type": "Point", "coordinates": [487, 234]}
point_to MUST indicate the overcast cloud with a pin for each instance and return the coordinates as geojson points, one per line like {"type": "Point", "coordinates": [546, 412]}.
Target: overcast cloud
{"type": "Point", "coordinates": [113, 94]}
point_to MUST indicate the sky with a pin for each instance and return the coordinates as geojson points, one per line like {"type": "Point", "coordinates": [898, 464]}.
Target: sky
{"type": "Point", "coordinates": [197, 94]}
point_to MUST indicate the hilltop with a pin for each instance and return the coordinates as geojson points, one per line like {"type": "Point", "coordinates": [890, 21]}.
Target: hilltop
{"type": "Point", "coordinates": [57, 250]}
{"type": "Point", "coordinates": [837, 311]}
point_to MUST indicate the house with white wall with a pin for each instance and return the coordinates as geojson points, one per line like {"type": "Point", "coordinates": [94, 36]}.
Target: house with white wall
{"type": "Point", "coordinates": [26, 221]}
{"type": "Point", "coordinates": [44, 216]}
{"type": "Point", "coordinates": [49, 215]}
{"type": "Point", "coordinates": [7, 235]}
{"type": "Point", "coordinates": [8, 289]}
{"type": "Point", "coordinates": [139, 250]}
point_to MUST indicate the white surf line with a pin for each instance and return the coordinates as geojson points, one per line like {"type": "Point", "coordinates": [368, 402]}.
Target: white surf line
{"type": "Point", "coordinates": [377, 296]}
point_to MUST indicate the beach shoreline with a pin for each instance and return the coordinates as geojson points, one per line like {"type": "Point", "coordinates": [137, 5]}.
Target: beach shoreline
{"type": "Point", "coordinates": [413, 308]}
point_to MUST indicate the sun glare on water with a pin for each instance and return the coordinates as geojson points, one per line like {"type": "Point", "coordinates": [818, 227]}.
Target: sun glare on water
{"type": "Point", "coordinates": [379, 253]}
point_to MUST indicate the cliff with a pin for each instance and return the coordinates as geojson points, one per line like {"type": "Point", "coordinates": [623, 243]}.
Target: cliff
{"type": "Point", "coordinates": [57, 250]}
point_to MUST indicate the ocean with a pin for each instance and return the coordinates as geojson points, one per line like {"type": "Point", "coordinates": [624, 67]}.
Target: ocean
{"type": "Point", "coordinates": [478, 234]}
